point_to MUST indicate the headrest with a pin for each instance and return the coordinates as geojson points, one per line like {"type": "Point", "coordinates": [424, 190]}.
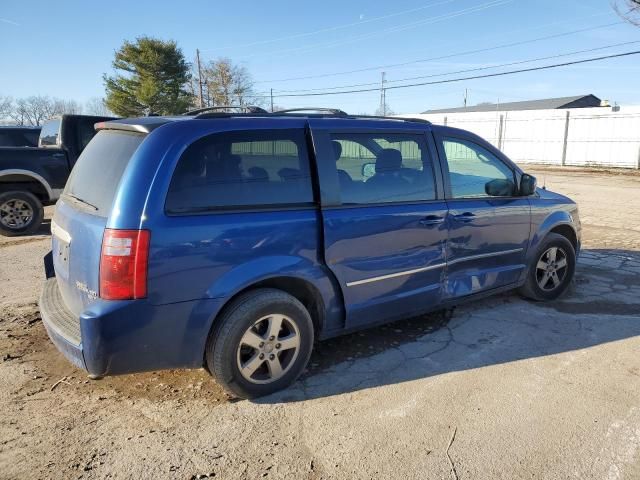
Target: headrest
{"type": "Point", "coordinates": [388, 160]}
{"type": "Point", "coordinates": [337, 149]}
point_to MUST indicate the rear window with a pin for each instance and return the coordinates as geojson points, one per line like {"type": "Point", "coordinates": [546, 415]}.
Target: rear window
{"type": "Point", "coordinates": [96, 175]}
{"type": "Point", "coordinates": [243, 169]}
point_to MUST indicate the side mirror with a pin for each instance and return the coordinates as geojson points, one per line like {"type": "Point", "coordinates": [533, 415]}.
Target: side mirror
{"type": "Point", "coordinates": [499, 187]}
{"type": "Point", "coordinates": [368, 170]}
{"type": "Point", "coordinates": [528, 184]}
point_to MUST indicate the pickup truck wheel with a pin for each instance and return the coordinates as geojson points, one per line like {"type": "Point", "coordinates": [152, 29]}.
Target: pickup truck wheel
{"type": "Point", "coordinates": [551, 270]}
{"type": "Point", "coordinates": [21, 213]}
{"type": "Point", "coordinates": [260, 344]}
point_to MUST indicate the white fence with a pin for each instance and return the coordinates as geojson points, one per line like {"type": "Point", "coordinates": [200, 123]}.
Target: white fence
{"type": "Point", "coordinates": [578, 136]}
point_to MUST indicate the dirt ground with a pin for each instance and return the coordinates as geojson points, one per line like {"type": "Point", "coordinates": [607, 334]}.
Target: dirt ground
{"type": "Point", "coordinates": [503, 388]}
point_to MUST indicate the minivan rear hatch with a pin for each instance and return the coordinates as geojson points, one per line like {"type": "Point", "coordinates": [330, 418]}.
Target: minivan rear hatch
{"type": "Point", "coordinates": [82, 212]}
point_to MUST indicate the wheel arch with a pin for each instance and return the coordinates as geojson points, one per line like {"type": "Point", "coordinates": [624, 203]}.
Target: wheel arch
{"type": "Point", "coordinates": [560, 222]}
{"type": "Point", "coordinates": [568, 232]}
{"type": "Point", "coordinates": [25, 179]}
{"type": "Point", "coordinates": [300, 288]}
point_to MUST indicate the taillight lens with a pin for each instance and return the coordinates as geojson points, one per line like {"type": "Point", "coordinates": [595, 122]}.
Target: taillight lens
{"type": "Point", "coordinates": [123, 264]}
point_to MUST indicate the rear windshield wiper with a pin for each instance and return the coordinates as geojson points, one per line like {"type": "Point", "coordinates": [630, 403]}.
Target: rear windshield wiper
{"type": "Point", "coordinates": [80, 200]}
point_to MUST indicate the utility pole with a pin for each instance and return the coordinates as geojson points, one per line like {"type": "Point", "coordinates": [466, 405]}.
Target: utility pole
{"type": "Point", "coordinates": [466, 94]}
{"type": "Point", "coordinates": [272, 100]}
{"type": "Point", "coordinates": [383, 100]}
{"type": "Point", "coordinates": [199, 79]}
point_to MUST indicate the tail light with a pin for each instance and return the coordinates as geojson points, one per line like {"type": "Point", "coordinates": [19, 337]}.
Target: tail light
{"type": "Point", "coordinates": [123, 264]}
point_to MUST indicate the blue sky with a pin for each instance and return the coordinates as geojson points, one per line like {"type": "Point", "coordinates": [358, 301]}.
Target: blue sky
{"type": "Point", "coordinates": [62, 48]}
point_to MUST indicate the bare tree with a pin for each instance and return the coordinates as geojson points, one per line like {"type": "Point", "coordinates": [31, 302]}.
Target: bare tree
{"type": "Point", "coordinates": [62, 106]}
{"type": "Point", "coordinates": [96, 106]}
{"type": "Point", "coordinates": [33, 110]}
{"type": "Point", "coordinates": [386, 111]}
{"type": "Point", "coordinates": [227, 84]}
{"type": "Point", "coordinates": [628, 9]}
{"type": "Point", "coordinates": [6, 106]}
{"type": "Point", "coordinates": [37, 109]}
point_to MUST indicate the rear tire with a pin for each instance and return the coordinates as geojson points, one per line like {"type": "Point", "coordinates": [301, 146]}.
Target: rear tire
{"type": "Point", "coordinates": [260, 344]}
{"type": "Point", "coordinates": [551, 269]}
{"type": "Point", "coordinates": [21, 213]}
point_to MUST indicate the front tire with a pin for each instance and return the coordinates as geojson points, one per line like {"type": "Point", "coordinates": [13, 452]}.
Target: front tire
{"type": "Point", "coordinates": [260, 344]}
{"type": "Point", "coordinates": [21, 213]}
{"type": "Point", "coordinates": [551, 269]}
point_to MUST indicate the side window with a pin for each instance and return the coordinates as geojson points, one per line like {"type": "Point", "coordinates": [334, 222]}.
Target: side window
{"type": "Point", "coordinates": [258, 168]}
{"type": "Point", "coordinates": [475, 172]}
{"type": "Point", "coordinates": [382, 168]}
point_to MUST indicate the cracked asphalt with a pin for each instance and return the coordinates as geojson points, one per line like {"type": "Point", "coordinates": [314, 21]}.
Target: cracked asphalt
{"type": "Point", "coordinates": [531, 390]}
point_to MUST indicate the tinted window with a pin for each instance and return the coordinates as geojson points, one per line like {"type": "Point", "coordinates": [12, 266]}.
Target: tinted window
{"type": "Point", "coordinates": [472, 168]}
{"type": "Point", "coordinates": [96, 174]}
{"type": "Point", "coordinates": [31, 138]}
{"type": "Point", "coordinates": [7, 139]}
{"type": "Point", "coordinates": [18, 137]}
{"type": "Point", "coordinates": [241, 169]}
{"type": "Point", "coordinates": [378, 168]}
{"type": "Point", "coordinates": [49, 134]}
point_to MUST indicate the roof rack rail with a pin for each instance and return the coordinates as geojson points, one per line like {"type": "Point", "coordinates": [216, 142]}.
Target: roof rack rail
{"type": "Point", "coordinates": [383, 117]}
{"type": "Point", "coordinates": [242, 108]}
{"type": "Point", "coordinates": [332, 111]}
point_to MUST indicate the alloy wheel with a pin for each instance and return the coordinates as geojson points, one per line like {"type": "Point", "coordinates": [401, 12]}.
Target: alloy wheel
{"type": "Point", "coordinates": [268, 349]}
{"type": "Point", "coordinates": [15, 214]}
{"type": "Point", "coordinates": [551, 269]}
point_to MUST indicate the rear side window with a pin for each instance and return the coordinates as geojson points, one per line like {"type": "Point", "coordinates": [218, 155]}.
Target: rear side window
{"type": "Point", "coordinates": [260, 168]}
{"type": "Point", "coordinates": [31, 138]}
{"type": "Point", "coordinates": [18, 138]}
{"type": "Point", "coordinates": [383, 168]}
{"type": "Point", "coordinates": [96, 175]}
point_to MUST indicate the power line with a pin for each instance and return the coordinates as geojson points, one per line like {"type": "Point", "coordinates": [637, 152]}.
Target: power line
{"type": "Point", "coordinates": [467, 70]}
{"type": "Point", "coordinates": [397, 28]}
{"type": "Point", "coordinates": [451, 80]}
{"type": "Point", "coordinates": [442, 57]}
{"type": "Point", "coordinates": [331, 29]}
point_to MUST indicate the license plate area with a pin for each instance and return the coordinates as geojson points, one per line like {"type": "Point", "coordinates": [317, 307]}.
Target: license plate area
{"type": "Point", "coordinates": [61, 247]}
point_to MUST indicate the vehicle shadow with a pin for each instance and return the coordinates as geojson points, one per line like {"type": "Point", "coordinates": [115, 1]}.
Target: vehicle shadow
{"type": "Point", "coordinates": [601, 306]}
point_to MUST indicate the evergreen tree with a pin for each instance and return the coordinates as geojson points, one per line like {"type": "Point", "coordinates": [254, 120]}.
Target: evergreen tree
{"type": "Point", "coordinates": [151, 77]}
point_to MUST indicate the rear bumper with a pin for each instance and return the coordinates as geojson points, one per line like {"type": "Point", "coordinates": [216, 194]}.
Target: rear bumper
{"type": "Point", "coordinates": [117, 337]}
{"type": "Point", "coordinates": [61, 325]}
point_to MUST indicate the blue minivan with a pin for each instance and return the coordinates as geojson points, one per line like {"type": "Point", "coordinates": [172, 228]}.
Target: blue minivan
{"type": "Point", "coordinates": [234, 241]}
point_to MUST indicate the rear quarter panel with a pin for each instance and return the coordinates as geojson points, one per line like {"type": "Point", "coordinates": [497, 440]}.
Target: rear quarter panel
{"type": "Point", "coordinates": [217, 254]}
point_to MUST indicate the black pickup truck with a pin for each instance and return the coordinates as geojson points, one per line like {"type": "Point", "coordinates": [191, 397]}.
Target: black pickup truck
{"type": "Point", "coordinates": [31, 177]}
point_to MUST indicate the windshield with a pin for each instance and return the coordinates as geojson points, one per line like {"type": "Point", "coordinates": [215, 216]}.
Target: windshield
{"type": "Point", "coordinates": [96, 175]}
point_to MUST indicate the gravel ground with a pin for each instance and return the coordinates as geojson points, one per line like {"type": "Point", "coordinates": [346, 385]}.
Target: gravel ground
{"type": "Point", "coordinates": [503, 388]}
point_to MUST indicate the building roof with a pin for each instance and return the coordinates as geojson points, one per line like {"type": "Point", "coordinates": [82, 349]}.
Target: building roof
{"type": "Point", "coordinates": [578, 101]}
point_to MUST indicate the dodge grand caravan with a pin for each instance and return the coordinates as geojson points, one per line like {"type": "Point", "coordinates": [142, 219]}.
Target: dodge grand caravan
{"type": "Point", "coordinates": [234, 241]}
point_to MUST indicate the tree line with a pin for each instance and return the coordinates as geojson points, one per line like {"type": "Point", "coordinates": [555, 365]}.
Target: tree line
{"type": "Point", "coordinates": [150, 77]}
{"type": "Point", "coordinates": [36, 109]}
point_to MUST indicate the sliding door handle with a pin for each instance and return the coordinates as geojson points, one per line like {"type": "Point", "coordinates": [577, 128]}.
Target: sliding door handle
{"type": "Point", "coordinates": [431, 220]}
{"type": "Point", "coordinates": [464, 217]}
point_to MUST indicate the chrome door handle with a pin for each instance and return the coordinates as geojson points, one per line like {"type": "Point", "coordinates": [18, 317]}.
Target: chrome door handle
{"type": "Point", "coordinates": [464, 217]}
{"type": "Point", "coordinates": [431, 220]}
